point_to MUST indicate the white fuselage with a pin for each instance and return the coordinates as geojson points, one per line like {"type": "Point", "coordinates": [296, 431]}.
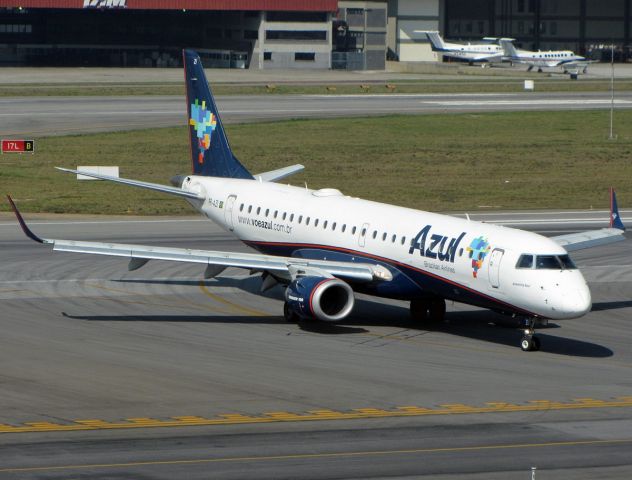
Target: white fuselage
{"type": "Point", "coordinates": [457, 259]}
{"type": "Point", "coordinates": [473, 51]}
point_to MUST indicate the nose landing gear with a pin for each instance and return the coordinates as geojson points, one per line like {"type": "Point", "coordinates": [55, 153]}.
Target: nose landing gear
{"type": "Point", "coordinates": [529, 342]}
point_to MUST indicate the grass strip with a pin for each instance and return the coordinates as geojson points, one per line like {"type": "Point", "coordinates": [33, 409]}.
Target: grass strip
{"type": "Point", "coordinates": [367, 87]}
{"type": "Point", "coordinates": [462, 162]}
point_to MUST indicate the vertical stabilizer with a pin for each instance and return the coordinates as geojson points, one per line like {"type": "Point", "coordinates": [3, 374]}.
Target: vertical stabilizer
{"type": "Point", "coordinates": [438, 45]}
{"type": "Point", "coordinates": [211, 155]}
{"type": "Point", "coordinates": [508, 47]}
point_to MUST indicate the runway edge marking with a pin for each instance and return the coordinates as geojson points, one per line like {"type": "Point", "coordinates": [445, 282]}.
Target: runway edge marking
{"type": "Point", "coordinates": [315, 415]}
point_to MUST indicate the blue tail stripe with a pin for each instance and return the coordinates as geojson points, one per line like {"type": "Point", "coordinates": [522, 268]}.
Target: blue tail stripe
{"type": "Point", "coordinates": [211, 155]}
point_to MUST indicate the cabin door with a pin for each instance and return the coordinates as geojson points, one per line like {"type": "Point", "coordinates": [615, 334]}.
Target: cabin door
{"type": "Point", "coordinates": [228, 211]}
{"type": "Point", "coordinates": [494, 267]}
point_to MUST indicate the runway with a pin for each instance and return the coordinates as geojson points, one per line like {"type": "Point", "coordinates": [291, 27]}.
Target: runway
{"type": "Point", "coordinates": [42, 116]}
{"type": "Point", "coordinates": [156, 374]}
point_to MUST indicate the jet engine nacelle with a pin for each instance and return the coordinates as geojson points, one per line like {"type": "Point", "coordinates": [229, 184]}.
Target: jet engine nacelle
{"type": "Point", "coordinates": [327, 299]}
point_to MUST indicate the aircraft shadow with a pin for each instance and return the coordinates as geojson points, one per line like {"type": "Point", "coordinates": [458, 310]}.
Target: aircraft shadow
{"type": "Point", "coordinates": [603, 306]}
{"type": "Point", "coordinates": [477, 324]}
{"type": "Point", "coordinates": [481, 325]}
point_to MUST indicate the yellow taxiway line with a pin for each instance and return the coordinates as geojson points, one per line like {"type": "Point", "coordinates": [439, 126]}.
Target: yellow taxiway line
{"type": "Point", "coordinates": [316, 415]}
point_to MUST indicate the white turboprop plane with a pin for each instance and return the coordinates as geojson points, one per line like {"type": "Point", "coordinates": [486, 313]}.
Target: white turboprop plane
{"type": "Point", "coordinates": [566, 59]}
{"type": "Point", "coordinates": [487, 51]}
{"type": "Point", "coordinates": [323, 245]}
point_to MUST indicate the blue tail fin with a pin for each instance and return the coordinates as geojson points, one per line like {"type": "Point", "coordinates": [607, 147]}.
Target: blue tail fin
{"type": "Point", "coordinates": [615, 218]}
{"type": "Point", "coordinates": [211, 155]}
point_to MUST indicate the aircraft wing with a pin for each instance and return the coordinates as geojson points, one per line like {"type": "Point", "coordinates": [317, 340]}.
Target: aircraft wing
{"type": "Point", "coordinates": [592, 238]}
{"type": "Point", "coordinates": [140, 254]}
{"type": "Point", "coordinates": [595, 238]}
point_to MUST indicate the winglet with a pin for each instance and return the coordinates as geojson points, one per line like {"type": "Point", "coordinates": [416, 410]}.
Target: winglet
{"type": "Point", "coordinates": [615, 218]}
{"type": "Point", "coordinates": [27, 231]}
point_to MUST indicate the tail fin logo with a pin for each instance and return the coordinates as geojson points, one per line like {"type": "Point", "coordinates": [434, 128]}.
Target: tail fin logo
{"type": "Point", "coordinates": [203, 122]}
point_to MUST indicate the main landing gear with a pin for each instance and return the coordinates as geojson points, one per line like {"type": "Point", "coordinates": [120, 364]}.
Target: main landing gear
{"type": "Point", "coordinates": [529, 343]}
{"type": "Point", "coordinates": [289, 314]}
{"type": "Point", "coordinates": [428, 310]}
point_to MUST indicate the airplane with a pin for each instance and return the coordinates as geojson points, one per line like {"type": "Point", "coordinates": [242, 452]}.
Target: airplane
{"type": "Point", "coordinates": [324, 246]}
{"type": "Point", "coordinates": [470, 52]}
{"type": "Point", "coordinates": [569, 61]}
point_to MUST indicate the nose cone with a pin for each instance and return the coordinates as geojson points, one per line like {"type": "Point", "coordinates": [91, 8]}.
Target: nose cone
{"type": "Point", "coordinates": [577, 301]}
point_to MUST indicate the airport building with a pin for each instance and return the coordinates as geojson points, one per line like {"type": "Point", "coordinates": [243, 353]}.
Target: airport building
{"type": "Point", "coordinates": [318, 34]}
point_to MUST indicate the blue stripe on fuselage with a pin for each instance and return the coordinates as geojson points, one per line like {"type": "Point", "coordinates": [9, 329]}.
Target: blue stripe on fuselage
{"type": "Point", "coordinates": [408, 282]}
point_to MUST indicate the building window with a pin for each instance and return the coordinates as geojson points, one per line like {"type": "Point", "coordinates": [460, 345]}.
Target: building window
{"type": "Point", "coordinates": [304, 56]}
{"type": "Point", "coordinates": [267, 56]}
{"type": "Point", "coordinates": [315, 35]}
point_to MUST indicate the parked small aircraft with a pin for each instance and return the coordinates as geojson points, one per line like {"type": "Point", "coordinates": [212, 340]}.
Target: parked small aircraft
{"type": "Point", "coordinates": [488, 51]}
{"type": "Point", "coordinates": [569, 62]}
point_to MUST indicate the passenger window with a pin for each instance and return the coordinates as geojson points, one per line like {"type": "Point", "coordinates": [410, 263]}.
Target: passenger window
{"type": "Point", "coordinates": [333, 227]}
{"type": "Point", "coordinates": [525, 261]}
{"type": "Point", "coordinates": [258, 210]}
{"type": "Point", "coordinates": [276, 212]}
{"type": "Point", "coordinates": [300, 219]}
{"type": "Point", "coordinates": [374, 234]}
{"type": "Point", "coordinates": [384, 236]}
{"type": "Point", "coordinates": [363, 232]}
{"type": "Point", "coordinates": [403, 240]}
{"type": "Point", "coordinates": [292, 218]}
{"type": "Point", "coordinates": [241, 207]}
{"type": "Point", "coordinates": [394, 238]}
{"type": "Point", "coordinates": [325, 224]}
{"type": "Point", "coordinates": [267, 211]}
{"type": "Point", "coordinates": [249, 208]}
{"type": "Point", "coordinates": [284, 215]}
{"type": "Point", "coordinates": [344, 227]}
{"type": "Point", "coordinates": [316, 223]}
{"type": "Point", "coordinates": [307, 221]}
{"type": "Point", "coordinates": [353, 230]}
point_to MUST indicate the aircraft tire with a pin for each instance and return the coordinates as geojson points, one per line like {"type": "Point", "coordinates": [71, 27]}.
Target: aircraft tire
{"type": "Point", "coordinates": [436, 312]}
{"type": "Point", "coordinates": [419, 310]}
{"type": "Point", "coordinates": [530, 344]}
{"type": "Point", "coordinates": [525, 344]}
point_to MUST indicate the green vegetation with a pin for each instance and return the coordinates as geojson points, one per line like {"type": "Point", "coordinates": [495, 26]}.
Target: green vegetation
{"type": "Point", "coordinates": [467, 85]}
{"type": "Point", "coordinates": [435, 162]}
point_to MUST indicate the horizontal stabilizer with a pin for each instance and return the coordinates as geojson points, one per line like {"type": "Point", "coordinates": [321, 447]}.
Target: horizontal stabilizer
{"type": "Point", "coordinates": [279, 174]}
{"type": "Point", "coordinates": [136, 183]}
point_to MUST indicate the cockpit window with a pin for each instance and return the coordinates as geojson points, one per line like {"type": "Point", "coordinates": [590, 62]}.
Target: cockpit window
{"type": "Point", "coordinates": [554, 262]}
{"type": "Point", "coordinates": [566, 262]}
{"type": "Point", "coordinates": [546, 262]}
{"type": "Point", "coordinates": [525, 261]}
